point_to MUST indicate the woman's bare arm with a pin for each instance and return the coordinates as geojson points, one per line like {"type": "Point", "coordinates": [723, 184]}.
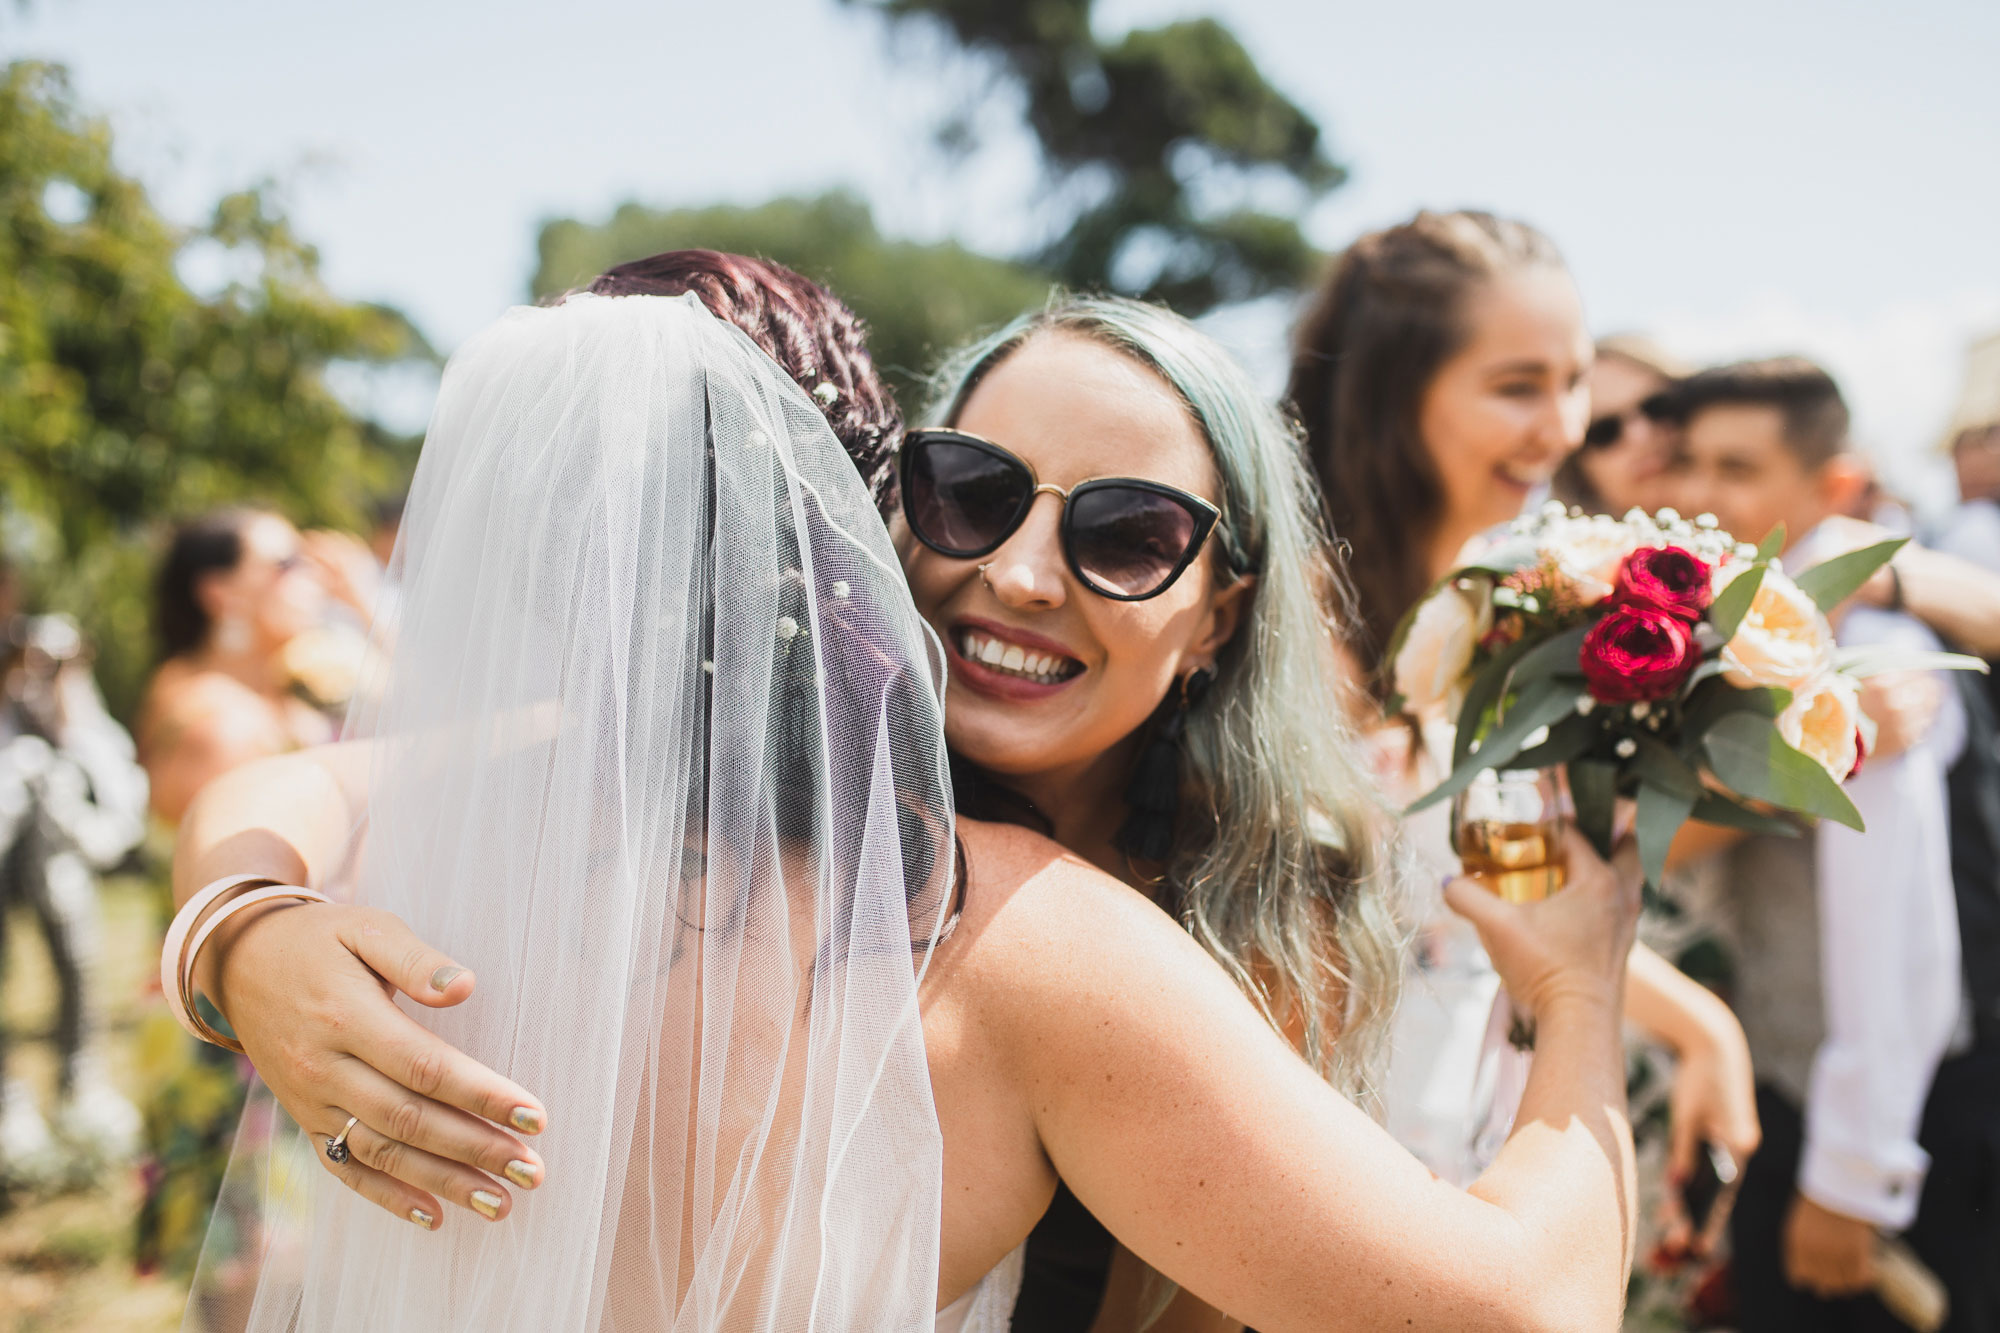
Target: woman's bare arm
{"type": "Point", "coordinates": [1714, 1096]}
{"type": "Point", "coordinates": [1216, 1155]}
{"type": "Point", "coordinates": [306, 988]}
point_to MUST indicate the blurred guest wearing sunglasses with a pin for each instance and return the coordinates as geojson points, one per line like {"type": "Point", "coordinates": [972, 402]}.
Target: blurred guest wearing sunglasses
{"type": "Point", "coordinates": [1622, 461]}
{"type": "Point", "coordinates": [1442, 374]}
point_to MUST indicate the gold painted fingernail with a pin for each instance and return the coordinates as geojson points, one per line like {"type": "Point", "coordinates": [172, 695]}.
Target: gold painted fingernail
{"type": "Point", "coordinates": [526, 1119]}
{"type": "Point", "coordinates": [444, 976]}
{"type": "Point", "coordinates": [488, 1203]}
{"type": "Point", "coordinates": [423, 1219]}
{"type": "Point", "coordinates": [525, 1174]}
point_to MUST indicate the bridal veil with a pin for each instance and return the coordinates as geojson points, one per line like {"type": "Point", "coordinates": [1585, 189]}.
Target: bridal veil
{"type": "Point", "coordinates": [658, 754]}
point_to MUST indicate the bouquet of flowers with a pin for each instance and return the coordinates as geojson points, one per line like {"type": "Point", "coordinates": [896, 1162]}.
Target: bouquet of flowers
{"type": "Point", "coordinates": [1653, 657]}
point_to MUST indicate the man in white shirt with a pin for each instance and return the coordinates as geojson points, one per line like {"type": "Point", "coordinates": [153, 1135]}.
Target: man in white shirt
{"type": "Point", "coordinates": [1849, 988]}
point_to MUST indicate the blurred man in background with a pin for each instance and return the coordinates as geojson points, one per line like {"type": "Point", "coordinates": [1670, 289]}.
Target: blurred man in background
{"type": "Point", "coordinates": [1862, 985]}
{"type": "Point", "coordinates": [72, 805]}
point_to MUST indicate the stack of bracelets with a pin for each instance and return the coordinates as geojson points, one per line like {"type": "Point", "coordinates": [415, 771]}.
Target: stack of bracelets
{"type": "Point", "coordinates": [178, 955]}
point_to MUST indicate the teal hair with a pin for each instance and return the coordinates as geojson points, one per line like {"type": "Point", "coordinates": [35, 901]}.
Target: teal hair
{"type": "Point", "coordinates": [1282, 864]}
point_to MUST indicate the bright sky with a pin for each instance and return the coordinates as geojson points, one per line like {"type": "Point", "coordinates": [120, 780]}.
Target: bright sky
{"type": "Point", "coordinates": [1736, 178]}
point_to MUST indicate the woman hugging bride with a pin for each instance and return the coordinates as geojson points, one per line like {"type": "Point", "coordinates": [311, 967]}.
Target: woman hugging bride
{"type": "Point", "coordinates": [661, 757]}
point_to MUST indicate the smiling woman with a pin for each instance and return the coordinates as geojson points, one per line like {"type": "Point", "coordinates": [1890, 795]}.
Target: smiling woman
{"type": "Point", "coordinates": [1135, 605]}
{"type": "Point", "coordinates": [1442, 378]}
{"type": "Point", "coordinates": [1439, 376]}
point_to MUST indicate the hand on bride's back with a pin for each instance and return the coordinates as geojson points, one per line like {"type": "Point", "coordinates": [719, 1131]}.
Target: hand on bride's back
{"type": "Point", "coordinates": [1570, 946]}
{"type": "Point", "coordinates": [309, 991]}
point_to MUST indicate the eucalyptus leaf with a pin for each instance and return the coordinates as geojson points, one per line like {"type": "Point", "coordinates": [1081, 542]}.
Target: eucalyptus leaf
{"type": "Point", "coordinates": [1658, 766]}
{"type": "Point", "coordinates": [1542, 704]}
{"type": "Point", "coordinates": [1485, 691]}
{"type": "Point", "coordinates": [1752, 759]}
{"type": "Point", "coordinates": [1714, 808]}
{"type": "Point", "coordinates": [1872, 659]}
{"type": "Point", "coordinates": [1831, 582]}
{"type": "Point", "coordinates": [1774, 542]}
{"type": "Point", "coordinates": [1661, 814]}
{"type": "Point", "coordinates": [1717, 697]}
{"type": "Point", "coordinates": [1557, 656]}
{"type": "Point", "coordinates": [1726, 612]}
{"type": "Point", "coordinates": [1593, 790]}
{"type": "Point", "coordinates": [1708, 670]}
{"type": "Point", "coordinates": [1567, 739]}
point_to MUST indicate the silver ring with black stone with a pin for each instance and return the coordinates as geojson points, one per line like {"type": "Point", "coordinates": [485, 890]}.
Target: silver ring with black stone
{"type": "Point", "coordinates": [336, 1147]}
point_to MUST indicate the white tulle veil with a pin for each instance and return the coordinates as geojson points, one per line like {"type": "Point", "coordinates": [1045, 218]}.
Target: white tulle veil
{"type": "Point", "coordinates": [658, 754]}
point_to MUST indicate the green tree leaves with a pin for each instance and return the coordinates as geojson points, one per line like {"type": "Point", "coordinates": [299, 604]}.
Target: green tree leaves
{"type": "Point", "coordinates": [1178, 137]}
{"type": "Point", "coordinates": [920, 301]}
{"type": "Point", "coordinates": [127, 398]}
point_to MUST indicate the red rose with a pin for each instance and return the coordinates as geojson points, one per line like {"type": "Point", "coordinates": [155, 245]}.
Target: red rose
{"type": "Point", "coordinates": [1667, 577]}
{"type": "Point", "coordinates": [1860, 752]}
{"type": "Point", "coordinates": [1637, 652]}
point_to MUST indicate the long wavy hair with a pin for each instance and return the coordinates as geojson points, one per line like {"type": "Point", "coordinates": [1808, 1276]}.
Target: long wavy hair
{"type": "Point", "coordinates": [1282, 864]}
{"type": "Point", "coordinates": [1386, 318]}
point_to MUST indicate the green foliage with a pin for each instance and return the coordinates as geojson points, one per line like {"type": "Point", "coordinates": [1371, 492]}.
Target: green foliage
{"type": "Point", "coordinates": [1733, 602]}
{"type": "Point", "coordinates": [1831, 582]}
{"type": "Point", "coordinates": [920, 301]}
{"type": "Point", "coordinates": [1173, 134]}
{"type": "Point", "coordinates": [1747, 753]}
{"type": "Point", "coordinates": [127, 399]}
{"type": "Point", "coordinates": [1542, 703]}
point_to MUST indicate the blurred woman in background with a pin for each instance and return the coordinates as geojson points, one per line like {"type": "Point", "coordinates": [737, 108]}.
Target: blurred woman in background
{"type": "Point", "coordinates": [1628, 446]}
{"type": "Point", "coordinates": [236, 588]}
{"type": "Point", "coordinates": [1443, 376]}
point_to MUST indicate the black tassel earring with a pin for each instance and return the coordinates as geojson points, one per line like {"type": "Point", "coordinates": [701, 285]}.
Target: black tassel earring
{"type": "Point", "coordinates": [1154, 797]}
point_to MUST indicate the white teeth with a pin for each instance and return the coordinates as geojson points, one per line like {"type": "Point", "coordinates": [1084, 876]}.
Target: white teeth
{"type": "Point", "coordinates": [1013, 659]}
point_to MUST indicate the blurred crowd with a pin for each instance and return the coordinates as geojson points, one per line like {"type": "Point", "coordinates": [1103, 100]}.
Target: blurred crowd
{"type": "Point", "coordinates": [262, 640]}
{"type": "Point", "coordinates": [1875, 1037]}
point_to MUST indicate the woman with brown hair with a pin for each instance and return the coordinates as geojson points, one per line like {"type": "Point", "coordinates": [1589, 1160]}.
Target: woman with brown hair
{"type": "Point", "coordinates": [1441, 378]}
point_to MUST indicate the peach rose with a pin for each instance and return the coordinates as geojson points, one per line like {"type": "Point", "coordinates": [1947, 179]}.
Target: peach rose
{"type": "Point", "coordinates": [1439, 646]}
{"type": "Point", "coordinates": [1783, 641]}
{"type": "Point", "coordinates": [1822, 723]}
{"type": "Point", "coordinates": [1586, 554]}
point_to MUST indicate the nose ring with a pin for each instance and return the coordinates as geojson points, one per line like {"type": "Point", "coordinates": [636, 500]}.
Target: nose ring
{"type": "Point", "coordinates": [983, 577]}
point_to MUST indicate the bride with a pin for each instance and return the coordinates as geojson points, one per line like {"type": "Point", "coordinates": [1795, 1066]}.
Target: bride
{"type": "Point", "coordinates": [660, 753]}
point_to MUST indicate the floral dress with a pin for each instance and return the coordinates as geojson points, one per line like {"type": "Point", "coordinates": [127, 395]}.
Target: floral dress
{"type": "Point", "coordinates": [191, 1114]}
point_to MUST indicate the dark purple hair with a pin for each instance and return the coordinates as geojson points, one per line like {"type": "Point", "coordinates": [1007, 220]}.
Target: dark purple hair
{"type": "Point", "coordinates": [799, 324]}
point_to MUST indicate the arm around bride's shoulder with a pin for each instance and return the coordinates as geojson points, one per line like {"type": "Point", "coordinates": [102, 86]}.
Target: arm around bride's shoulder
{"type": "Point", "coordinates": [1212, 1151]}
